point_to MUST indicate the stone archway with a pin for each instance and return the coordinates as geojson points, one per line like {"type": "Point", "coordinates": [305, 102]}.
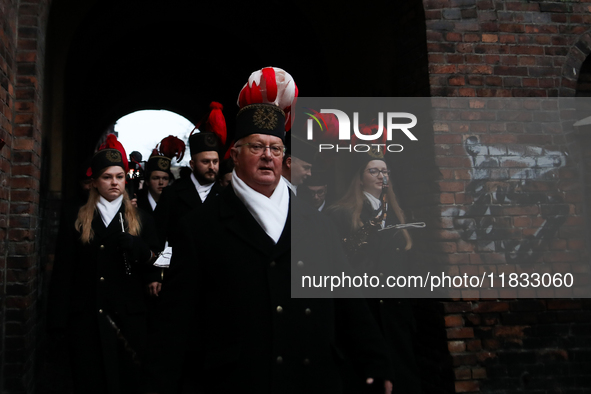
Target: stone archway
{"type": "Point", "coordinates": [72, 67]}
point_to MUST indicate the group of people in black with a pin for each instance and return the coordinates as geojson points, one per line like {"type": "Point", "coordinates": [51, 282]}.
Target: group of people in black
{"type": "Point", "coordinates": [219, 318]}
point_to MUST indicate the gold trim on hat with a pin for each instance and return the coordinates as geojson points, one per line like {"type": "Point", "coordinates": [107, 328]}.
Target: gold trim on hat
{"type": "Point", "coordinates": [163, 164]}
{"type": "Point", "coordinates": [210, 140]}
{"type": "Point", "coordinates": [265, 118]}
{"type": "Point", "coordinates": [270, 106]}
{"type": "Point", "coordinates": [114, 156]}
{"type": "Point", "coordinates": [375, 152]}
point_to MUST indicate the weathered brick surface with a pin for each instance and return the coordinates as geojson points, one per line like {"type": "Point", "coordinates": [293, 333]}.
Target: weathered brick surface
{"type": "Point", "coordinates": [21, 64]}
{"type": "Point", "coordinates": [516, 49]}
{"type": "Point", "coordinates": [462, 48]}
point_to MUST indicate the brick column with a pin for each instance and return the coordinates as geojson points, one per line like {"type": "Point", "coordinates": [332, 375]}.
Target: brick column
{"type": "Point", "coordinates": [22, 257]}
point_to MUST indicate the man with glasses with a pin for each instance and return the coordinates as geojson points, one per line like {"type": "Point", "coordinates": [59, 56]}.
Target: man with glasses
{"type": "Point", "coordinates": [251, 336]}
{"type": "Point", "coordinates": [315, 189]}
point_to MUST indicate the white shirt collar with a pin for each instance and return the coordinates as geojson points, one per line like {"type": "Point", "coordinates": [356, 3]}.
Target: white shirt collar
{"type": "Point", "coordinates": [203, 191]}
{"type": "Point", "coordinates": [293, 188]}
{"type": "Point", "coordinates": [151, 201]}
{"type": "Point", "coordinates": [320, 208]}
{"type": "Point", "coordinates": [375, 202]}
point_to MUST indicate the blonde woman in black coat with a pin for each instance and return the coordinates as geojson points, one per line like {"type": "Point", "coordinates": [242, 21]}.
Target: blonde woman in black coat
{"type": "Point", "coordinates": [96, 296]}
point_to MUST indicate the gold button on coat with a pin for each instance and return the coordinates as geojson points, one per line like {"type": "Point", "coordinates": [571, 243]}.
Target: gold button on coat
{"type": "Point", "coordinates": [102, 247]}
{"type": "Point", "coordinates": [279, 360]}
{"type": "Point", "coordinates": [279, 309]}
{"type": "Point", "coordinates": [102, 279]}
{"type": "Point", "coordinates": [308, 311]}
{"type": "Point", "coordinates": [100, 311]}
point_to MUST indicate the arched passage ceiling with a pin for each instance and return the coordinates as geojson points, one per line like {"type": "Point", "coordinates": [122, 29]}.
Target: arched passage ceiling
{"type": "Point", "coordinates": [175, 55]}
{"type": "Point", "coordinates": [108, 58]}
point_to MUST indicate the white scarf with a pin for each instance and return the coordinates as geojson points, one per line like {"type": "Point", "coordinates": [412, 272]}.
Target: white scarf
{"type": "Point", "coordinates": [107, 209]}
{"type": "Point", "coordinates": [203, 191]}
{"type": "Point", "coordinates": [151, 201]}
{"type": "Point", "coordinates": [269, 212]}
{"type": "Point", "coordinates": [376, 204]}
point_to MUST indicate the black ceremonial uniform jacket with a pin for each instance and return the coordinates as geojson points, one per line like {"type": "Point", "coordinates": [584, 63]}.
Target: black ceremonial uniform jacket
{"type": "Point", "coordinates": [175, 202]}
{"type": "Point", "coordinates": [250, 335]}
{"type": "Point", "coordinates": [88, 286]}
{"type": "Point", "coordinates": [385, 254]}
{"type": "Point", "coordinates": [143, 202]}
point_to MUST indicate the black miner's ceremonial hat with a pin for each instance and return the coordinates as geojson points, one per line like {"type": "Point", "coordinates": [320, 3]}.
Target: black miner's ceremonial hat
{"type": "Point", "coordinates": [158, 163]}
{"type": "Point", "coordinates": [204, 141]}
{"type": "Point", "coordinates": [260, 119]}
{"type": "Point", "coordinates": [297, 146]}
{"type": "Point", "coordinates": [110, 153]}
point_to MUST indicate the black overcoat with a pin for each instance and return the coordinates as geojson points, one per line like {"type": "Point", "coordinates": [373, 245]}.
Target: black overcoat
{"type": "Point", "coordinates": [385, 254]}
{"type": "Point", "coordinates": [233, 303]}
{"type": "Point", "coordinates": [143, 202]}
{"type": "Point", "coordinates": [88, 287]}
{"type": "Point", "coordinates": [175, 202]}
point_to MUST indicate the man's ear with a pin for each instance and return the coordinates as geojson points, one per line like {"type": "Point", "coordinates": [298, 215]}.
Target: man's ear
{"type": "Point", "coordinates": [288, 162]}
{"type": "Point", "coordinates": [234, 155]}
{"type": "Point", "coordinates": [192, 164]}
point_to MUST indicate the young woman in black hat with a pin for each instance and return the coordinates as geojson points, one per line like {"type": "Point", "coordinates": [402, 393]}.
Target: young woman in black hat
{"type": "Point", "coordinates": [96, 296]}
{"type": "Point", "coordinates": [368, 205]}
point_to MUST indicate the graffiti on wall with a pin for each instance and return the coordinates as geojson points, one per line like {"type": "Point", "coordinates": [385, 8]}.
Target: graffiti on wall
{"type": "Point", "coordinates": [504, 179]}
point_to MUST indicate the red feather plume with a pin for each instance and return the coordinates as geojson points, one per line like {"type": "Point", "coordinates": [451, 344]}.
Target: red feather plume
{"type": "Point", "coordinates": [370, 129]}
{"type": "Point", "coordinates": [170, 147]}
{"type": "Point", "coordinates": [112, 143]}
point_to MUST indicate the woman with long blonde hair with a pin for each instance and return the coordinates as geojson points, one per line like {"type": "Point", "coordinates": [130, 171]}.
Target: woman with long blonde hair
{"type": "Point", "coordinates": [368, 206]}
{"type": "Point", "coordinates": [96, 298]}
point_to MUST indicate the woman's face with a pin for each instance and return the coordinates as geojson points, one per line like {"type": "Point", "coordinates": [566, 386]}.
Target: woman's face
{"type": "Point", "coordinates": [158, 181]}
{"type": "Point", "coordinates": [111, 183]}
{"type": "Point", "coordinates": [373, 183]}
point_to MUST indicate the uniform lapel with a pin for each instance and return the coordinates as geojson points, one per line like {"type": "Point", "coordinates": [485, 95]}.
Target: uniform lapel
{"type": "Point", "coordinates": [188, 194]}
{"type": "Point", "coordinates": [284, 243]}
{"type": "Point", "coordinates": [236, 217]}
{"type": "Point", "coordinates": [98, 226]}
{"type": "Point", "coordinates": [215, 190]}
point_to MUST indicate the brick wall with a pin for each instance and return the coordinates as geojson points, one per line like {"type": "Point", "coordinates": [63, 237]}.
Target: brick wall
{"type": "Point", "coordinates": [475, 48]}
{"type": "Point", "coordinates": [21, 72]}
{"type": "Point", "coordinates": [492, 215]}
{"type": "Point", "coordinates": [7, 102]}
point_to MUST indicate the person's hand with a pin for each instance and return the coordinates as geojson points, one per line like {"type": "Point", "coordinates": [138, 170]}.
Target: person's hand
{"type": "Point", "coordinates": [387, 385]}
{"type": "Point", "coordinates": [134, 202]}
{"type": "Point", "coordinates": [154, 288]}
{"type": "Point", "coordinates": [134, 246]}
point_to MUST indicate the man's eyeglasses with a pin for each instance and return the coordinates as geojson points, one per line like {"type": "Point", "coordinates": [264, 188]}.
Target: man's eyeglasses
{"type": "Point", "coordinates": [257, 149]}
{"type": "Point", "coordinates": [318, 193]}
{"type": "Point", "coordinates": [374, 172]}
